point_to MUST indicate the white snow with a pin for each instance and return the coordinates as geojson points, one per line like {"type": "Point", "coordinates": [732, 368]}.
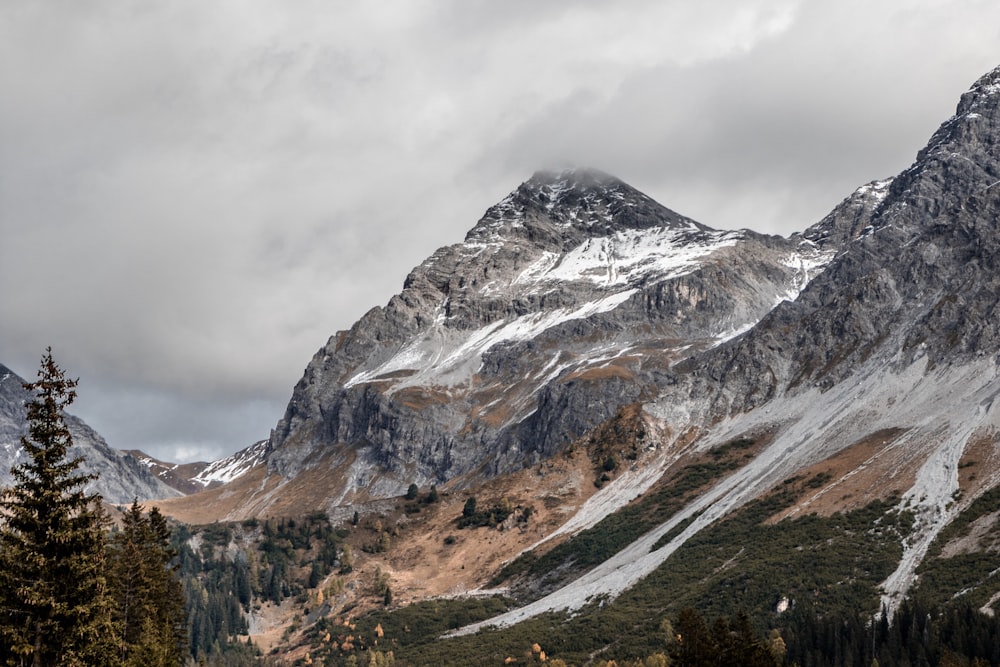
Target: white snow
{"type": "Point", "coordinates": [877, 190]}
{"type": "Point", "coordinates": [227, 469]}
{"type": "Point", "coordinates": [991, 88]}
{"type": "Point", "coordinates": [626, 256]}
{"type": "Point", "coordinates": [806, 264]}
{"type": "Point", "coordinates": [447, 357]}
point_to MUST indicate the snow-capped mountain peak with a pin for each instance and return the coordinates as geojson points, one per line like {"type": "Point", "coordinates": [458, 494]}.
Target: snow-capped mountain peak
{"type": "Point", "coordinates": [577, 203]}
{"type": "Point", "coordinates": [229, 468]}
{"type": "Point", "coordinates": [575, 280]}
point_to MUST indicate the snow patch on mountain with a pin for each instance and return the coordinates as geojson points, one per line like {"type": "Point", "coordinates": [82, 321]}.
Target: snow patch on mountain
{"type": "Point", "coordinates": [628, 256]}
{"type": "Point", "coordinates": [876, 191]}
{"type": "Point", "coordinates": [807, 264]}
{"type": "Point", "coordinates": [447, 357]}
{"type": "Point", "coordinates": [231, 467]}
{"type": "Point", "coordinates": [616, 265]}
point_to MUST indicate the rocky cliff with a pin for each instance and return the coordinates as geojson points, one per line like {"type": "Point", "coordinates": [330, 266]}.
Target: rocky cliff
{"type": "Point", "coordinates": [568, 300]}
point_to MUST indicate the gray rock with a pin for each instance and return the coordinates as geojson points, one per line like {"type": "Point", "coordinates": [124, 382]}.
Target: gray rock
{"type": "Point", "coordinates": [916, 276]}
{"type": "Point", "coordinates": [122, 478]}
{"type": "Point", "coordinates": [568, 300]}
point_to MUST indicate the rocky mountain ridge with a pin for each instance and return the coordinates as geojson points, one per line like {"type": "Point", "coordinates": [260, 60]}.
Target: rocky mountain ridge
{"type": "Point", "coordinates": [574, 290]}
{"type": "Point", "coordinates": [575, 297]}
{"type": "Point", "coordinates": [121, 476]}
{"type": "Point", "coordinates": [198, 476]}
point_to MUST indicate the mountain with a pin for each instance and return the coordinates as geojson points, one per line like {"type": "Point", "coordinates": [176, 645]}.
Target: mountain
{"type": "Point", "coordinates": [568, 300]}
{"type": "Point", "coordinates": [178, 476]}
{"type": "Point", "coordinates": [122, 476]}
{"type": "Point", "coordinates": [231, 467]}
{"type": "Point", "coordinates": [198, 476]}
{"type": "Point", "coordinates": [622, 406]}
{"type": "Point", "coordinates": [882, 372]}
{"type": "Point", "coordinates": [896, 335]}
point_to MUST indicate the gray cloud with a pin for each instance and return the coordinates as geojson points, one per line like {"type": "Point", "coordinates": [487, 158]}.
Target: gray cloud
{"type": "Point", "coordinates": [194, 196]}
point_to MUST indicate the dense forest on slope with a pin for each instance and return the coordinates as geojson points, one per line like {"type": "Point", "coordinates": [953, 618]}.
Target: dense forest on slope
{"type": "Point", "coordinates": [231, 571]}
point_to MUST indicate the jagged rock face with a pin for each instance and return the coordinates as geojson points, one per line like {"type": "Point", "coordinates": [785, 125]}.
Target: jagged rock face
{"type": "Point", "coordinates": [569, 299]}
{"type": "Point", "coordinates": [122, 478]}
{"type": "Point", "coordinates": [916, 276]}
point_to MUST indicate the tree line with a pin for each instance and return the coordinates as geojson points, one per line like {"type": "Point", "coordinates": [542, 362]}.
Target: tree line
{"type": "Point", "coordinates": [71, 592]}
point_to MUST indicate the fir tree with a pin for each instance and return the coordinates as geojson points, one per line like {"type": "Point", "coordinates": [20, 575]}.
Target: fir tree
{"type": "Point", "coordinates": [53, 606]}
{"type": "Point", "coordinates": [147, 598]}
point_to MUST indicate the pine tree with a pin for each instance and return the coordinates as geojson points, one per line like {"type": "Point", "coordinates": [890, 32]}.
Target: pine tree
{"type": "Point", "coordinates": [147, 598]}
{"type": "Point", "coordinates": [53, 606]}
{"type": "Point", "coordinates": [695, 646]}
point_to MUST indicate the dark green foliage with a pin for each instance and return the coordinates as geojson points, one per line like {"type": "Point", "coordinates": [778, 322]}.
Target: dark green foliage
{"type": "Point", "coordinates": [412, 491]}
{"type": "Point", "coordinates": [53, 607]}
{"type": "Point", "coordinates": [346, 561]}
{"type": "Point", "coordinates": [972, 571]}
{"type": "Point", "coordinates": [380, 586]}
{"type": "Point", "coordinates": [217, 591]}
{"type": "Point", "coordinates": [742, 562]}
{"type": "Point", "coordinates": [413, 625]}
{"type": "Point", "coordinates": [731, 641]}
{"type": "Point", "coordinates": [830, 567]}
{"type": "Point", "coordinates": [146, 595]}
{"type": "Point", "coordinates": [696, 647]}
{"type": "Point", "coordinates": [919, 634]}
{"type": "Point", "coordinates": [240, 566]}
{"type": "Point", "coordinates": [470, 507]}
{"type": "Point", "coordinates": [425, 621]}
{"type": "Point", "coordinates": [745, 563]}
{"type": "Point", "coordinates": [474, 517]}
{"type": "Point", "coordinates": [728, 449]}
{"type": "Point", "coordinates": [432, 495]}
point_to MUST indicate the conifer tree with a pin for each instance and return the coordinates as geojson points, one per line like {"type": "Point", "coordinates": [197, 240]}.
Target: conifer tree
{"type": "Point", "coordinates": [53, 607]}
{"type": "Point", "coordinates": [147, 598]}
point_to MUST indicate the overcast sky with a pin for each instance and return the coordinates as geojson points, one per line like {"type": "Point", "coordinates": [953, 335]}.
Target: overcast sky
{"type": "Point", "coordinates": [195, 195]}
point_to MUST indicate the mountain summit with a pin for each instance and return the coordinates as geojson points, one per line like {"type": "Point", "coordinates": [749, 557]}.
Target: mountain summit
{"type": "Point", "coordinates": [564, 207]}
{"type": "Point", "coordinates": [567, 301]}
